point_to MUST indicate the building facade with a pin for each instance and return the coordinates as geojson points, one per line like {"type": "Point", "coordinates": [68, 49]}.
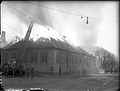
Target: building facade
{"type": "Point", "coordinates": [49, 56]}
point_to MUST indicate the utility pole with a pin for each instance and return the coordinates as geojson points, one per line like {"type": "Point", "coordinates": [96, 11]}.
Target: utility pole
{"type": "Point", "coordinates": [67, 59]}
{"type": "Point", "coordinates": [64, 38]}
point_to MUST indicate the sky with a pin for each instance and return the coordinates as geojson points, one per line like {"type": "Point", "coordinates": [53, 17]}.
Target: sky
{"type": "Point", "coordinates": [66, 18]}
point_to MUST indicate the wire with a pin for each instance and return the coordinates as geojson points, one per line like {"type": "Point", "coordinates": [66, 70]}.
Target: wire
{"type": "Point", "coordinates": [64, 11]}
{"type": "Point", "coordinates": [11, 27]}
{"type": "Point", "coordinates": [25, 15]}
{"type": "Point", "coordinates": [16, 10]}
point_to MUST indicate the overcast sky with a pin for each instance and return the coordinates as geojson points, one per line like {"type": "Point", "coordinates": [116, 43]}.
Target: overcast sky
{"type": "Point", "coordinates": [101, 30]}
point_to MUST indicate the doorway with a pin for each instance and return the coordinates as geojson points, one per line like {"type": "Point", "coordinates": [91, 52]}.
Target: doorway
{"type": "Point", "coordinates": [60, 71]}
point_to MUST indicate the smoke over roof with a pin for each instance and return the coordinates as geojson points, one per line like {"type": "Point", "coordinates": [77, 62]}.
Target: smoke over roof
{"type": "Point", "coordinates": [73, 27]}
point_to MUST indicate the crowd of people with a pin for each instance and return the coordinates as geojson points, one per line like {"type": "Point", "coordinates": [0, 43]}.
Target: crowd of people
{"type": "Point", "coordinates": [17, 71]}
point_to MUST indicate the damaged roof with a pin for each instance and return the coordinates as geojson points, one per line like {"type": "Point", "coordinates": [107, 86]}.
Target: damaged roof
{"type": "Point", "coordinates": [47, 43]}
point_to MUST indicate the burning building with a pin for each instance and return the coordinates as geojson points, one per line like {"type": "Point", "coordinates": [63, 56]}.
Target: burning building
{"type": "Point", "coordinates": [51, 56]}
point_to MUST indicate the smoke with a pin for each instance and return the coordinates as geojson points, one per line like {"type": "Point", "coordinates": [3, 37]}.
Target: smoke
{"type": "Point", "coordinates": [75, 29]}
{"type": "Point", "coordinates": [89, 33]}
{"type": "Point", "coordinates": [77, 32]}
{"type": "Point", "coordinates": [27, 9]}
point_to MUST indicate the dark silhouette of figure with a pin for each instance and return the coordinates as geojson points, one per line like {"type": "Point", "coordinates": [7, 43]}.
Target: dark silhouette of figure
{"type": "Point", "coordinates": [27, 71]}
{"type": "Point", "coordinates": [60, 71]}
{"type": "Point", "coordinates": [32, 72]}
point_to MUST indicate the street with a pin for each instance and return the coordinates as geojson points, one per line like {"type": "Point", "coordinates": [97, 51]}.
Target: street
{"type": "Point", "coordinates": [95, 83]}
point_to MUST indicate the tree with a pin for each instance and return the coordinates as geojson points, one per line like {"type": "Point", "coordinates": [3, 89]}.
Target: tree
{"type": "Point", "coordinates": [108, 63]}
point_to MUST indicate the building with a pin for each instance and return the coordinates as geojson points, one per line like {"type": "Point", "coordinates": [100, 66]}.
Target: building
{"type": "Point", "coordinates": [106, 61]}
{"type": "Point", "coordinates": [3, 39]}
{"type": "Point", "coordinates": [50, 56]}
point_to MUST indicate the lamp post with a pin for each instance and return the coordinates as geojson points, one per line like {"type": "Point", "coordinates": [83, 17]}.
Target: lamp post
{"type": "Point", "coordinates": [67, 53]}
{"type": "Point", "coordinates": [67, 59]}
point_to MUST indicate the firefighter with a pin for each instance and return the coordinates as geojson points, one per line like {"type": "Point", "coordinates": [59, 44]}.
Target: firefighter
{"type": "Point", "coordinates": [32, 71]}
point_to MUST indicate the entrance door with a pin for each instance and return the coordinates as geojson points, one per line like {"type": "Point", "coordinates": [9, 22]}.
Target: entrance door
{"type": "Point", "coordinates": [59, 70]}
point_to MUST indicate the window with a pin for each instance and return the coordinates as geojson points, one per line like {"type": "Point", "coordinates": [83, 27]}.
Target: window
{"type": "Point", "coordinates": [44, 57]}
{"type": "Point", "coordinates": [80, 61]}
{"type": "Point", "coordinates": [13, 55]}
{"type": "Point", "coordinates": [25, 57]}
{"type": "Point", "coordinates": [79, 71]}
{"type": "Point", "coordinates": [66, 59]}
{"type": "Point", "coordinates": [5, 57]}
{"type": "Point", "coordinates": [51, 68]}
{"type": "Point", "coordinates": [75, 59]}
{"type": "Point", "coordinates": [33, 57]}
{"type": "Point", "coordinates": [72, 59]}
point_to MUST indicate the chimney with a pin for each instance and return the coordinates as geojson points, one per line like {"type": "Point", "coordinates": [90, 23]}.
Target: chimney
{"type": "Point", "coordinates": [3, 36]}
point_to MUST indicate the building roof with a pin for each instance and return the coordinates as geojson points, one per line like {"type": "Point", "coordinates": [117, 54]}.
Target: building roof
{"type": "Point", "coordinates": [47, 43]}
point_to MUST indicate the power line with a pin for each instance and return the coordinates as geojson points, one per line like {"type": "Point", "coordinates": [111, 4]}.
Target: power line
{"type": "Point", "coordinates": [11, 27]}
{"type": "Point", "coordinates": [25, 15]}
{"type": "Point", "coordinates": [16, 10]}
{"type": "Point", "coordinates": [64, 11]}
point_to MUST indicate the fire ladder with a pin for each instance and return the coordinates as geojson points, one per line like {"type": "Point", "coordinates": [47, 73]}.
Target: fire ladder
{"type": "Point", "coordinates": [21, 52]}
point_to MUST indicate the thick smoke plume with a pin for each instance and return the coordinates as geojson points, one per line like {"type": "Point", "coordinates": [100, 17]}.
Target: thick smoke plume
{"type": "Point", "coordinates": [71, 26]}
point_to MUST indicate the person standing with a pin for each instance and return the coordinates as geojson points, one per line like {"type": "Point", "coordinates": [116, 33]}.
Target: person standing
{"type": "Point", "coordinates": [32, 71]}
{"type": "Point", "coordinates": [27, 71]}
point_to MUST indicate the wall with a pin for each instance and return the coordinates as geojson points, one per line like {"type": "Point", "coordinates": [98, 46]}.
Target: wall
{"type": "Point", "coordinates": [56, 59]}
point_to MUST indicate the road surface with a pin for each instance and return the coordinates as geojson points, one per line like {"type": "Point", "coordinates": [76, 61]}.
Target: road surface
{"type": "Point", "coordinates": [92, 83]}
